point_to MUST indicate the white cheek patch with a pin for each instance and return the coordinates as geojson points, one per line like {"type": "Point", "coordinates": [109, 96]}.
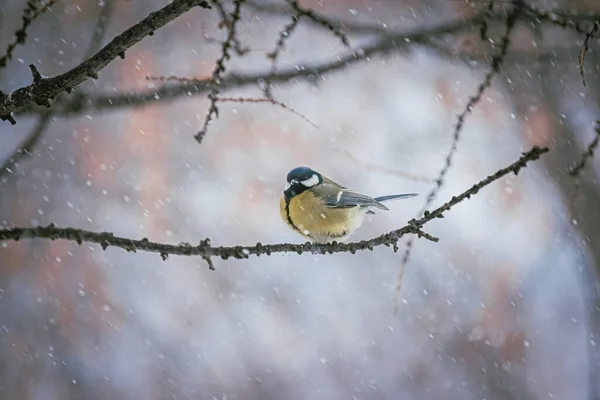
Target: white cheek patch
{"type": "Point", "coordinates": [287, 186]}
{"type": "Point", "coordinates": [312, 181]}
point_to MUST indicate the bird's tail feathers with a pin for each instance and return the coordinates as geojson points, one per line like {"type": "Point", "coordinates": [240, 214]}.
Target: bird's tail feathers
{"type": "Point", "coordinates": [391, 197]}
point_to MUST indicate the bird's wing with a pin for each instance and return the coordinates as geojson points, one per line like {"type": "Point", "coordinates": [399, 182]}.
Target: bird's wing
{"type": "Point", "coordinates": [337, 197]}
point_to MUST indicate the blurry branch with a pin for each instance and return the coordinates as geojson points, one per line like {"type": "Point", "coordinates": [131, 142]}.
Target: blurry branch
{"type": "Point", "coordinates": [231, 40]}
{"type": "Point", "coordinates": [574, 23]}
{"type": "Point", "coordinates": [540, 56]}
{"type": "Point", "coordinates": [26, 147]}
{"type": "Point", "coordinates": [350, 26]}
{"type": "Point", "coordinates": [483, 29]}
{"type": "Point", "coordinates": [270, 101]}
{"type": "Point", "coordinates": [30, 14]}
{"type": "Point", "coordinates": [584, 49]}
{"type": "Point", "coordinates": [240, 49]}
{"type": "Point", "coordinates": [217, 75]}
{"type": "Point", "coordinates": [495, 66]}
{"type": "Point", "coordinates": [206, 251]}
{"type": "Point", "coordinates": [44, 89]}
{"type": "Point", "coordinates": [179, 79]}
{"type": "Point", "coordinates": [577, 169]}
{"type": "Point", "coordinates": [319, 20]}
{"type": "Point", "coordinates": [384, 43]}
{"type": "Point", "coordinates": [384, 170]}
{"type": "Point", "coordinates": [284, 34]}
{"type": "Point", "coordinates": [99, 33]}
{"type": "Point", "coordinates": [226, 22]}
{"type": "Point", "coordinates": [311, 73]}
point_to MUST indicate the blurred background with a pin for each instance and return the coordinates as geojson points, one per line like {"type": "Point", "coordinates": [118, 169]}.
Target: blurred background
{"type": "Point", "coordinates": [503, 307]}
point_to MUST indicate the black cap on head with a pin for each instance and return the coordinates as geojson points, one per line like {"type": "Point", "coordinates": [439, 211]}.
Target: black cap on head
{"type": "Point", "coordinates": [299, 180]}
{"type": "Point", "coordinates": [300, 174]}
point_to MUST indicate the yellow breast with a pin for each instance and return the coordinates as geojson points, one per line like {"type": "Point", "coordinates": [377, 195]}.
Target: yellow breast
{"type": "Point", "coordinates": [306, 215]}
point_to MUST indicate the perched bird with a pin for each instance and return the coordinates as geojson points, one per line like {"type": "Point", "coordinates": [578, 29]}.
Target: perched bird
{"type": "Point", "coordinates": [323, 211]}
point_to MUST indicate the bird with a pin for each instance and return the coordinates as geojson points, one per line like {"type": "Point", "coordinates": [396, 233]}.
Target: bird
{"type": "Point", "coordinates": [323, 211]}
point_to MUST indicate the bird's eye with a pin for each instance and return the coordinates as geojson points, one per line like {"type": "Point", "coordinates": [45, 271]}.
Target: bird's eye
{"type": "Point", "coordinates": [312, 181]}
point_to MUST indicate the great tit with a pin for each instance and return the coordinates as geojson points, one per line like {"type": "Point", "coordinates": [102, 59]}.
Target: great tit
{"type": "Point", "coordinates": [323, 211]}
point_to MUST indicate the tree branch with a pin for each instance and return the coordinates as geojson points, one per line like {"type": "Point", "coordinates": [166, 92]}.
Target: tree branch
{"type": "Point", "coordinates": [48, 88]}
{"type": "Point", "coordinates": [170, 91]}
{"type": "Point", "coordinates": [386, 42]}
{"type": "Point", "coordinates": [205, 250]}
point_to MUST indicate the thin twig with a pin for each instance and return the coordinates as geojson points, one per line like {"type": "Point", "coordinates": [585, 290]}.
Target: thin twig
{"type": "Point", "coordinates": [225, 22]}
{"type": "Point", "coordinates": [584, 49]}
{"type": "Point", "coordinates": [217, 75]}
{"type": "Point", "coordinates": [319, 19]}
{"type": "Point", "coordinates": [589, 153]}
{"type": "Point", "coordinates": [206, 251]}
{"type": "Point", "coordinates": [30, 14]}
{"type": "Point", "coordinates": [284, 34]}
{"type": "Point", "coordinates": [271, 101]}
{"type": "Point", "coordinates": [576, 170]}
{"type": "Point", "coordinates": [483, 31]}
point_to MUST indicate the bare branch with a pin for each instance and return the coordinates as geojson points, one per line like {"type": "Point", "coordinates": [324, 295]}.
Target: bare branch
{"type": "Point", "coordinates": [217, 75]}
{"type": "Point", "coordinates": [589, 153]}
{"type": "Point", "coordinates": [30, 14]}
{"type": "Point", "coordinates": [48, 88]}
{"type": "Point", "coordinates": [206, 251]}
